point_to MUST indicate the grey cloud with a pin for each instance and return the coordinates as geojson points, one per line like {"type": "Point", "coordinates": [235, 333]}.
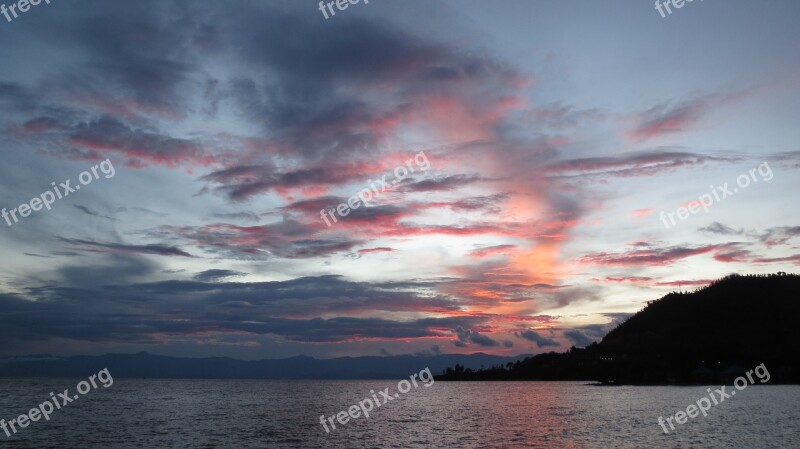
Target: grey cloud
{"type": "Point", "coordinates": [719, 228]}
{"type": "Point", "coordinates": [578, 338]}
{"type": "Point", "coordinates": [536, 338]}
{"type": "Point", "coordinates": [216, 275]}
{"type": "Point", "coordinates": [153, 249]}
{"type": "Point", "coordinates": [466, 336]}
{"type": "Point", "coordinates": [91, 212]}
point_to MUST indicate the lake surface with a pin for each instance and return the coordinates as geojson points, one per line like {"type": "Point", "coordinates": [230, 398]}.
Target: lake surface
{"type": "Point", "coordinates": [286, 414]}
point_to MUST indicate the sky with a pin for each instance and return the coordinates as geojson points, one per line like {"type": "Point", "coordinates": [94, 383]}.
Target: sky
{"type": "Point", "coordinates": [252, 179]}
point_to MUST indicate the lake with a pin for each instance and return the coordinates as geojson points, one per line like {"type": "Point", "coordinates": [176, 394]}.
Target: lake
{"type": "Point", "coordinates": [137, 413]}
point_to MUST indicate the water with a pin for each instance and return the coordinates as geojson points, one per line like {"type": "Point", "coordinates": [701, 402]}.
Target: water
{"type": "Point", "coordinates": [285, 414]}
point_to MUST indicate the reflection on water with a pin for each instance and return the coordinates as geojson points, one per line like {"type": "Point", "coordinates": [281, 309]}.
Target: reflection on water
{"type": "Point", "coordinates": [285, 414]}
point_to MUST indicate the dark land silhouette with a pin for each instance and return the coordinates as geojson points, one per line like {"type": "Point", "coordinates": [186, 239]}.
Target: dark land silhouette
{"type": "Point", "coordinates": [144, 365]}
{"type": "Point", "coordinates": [711, 335]}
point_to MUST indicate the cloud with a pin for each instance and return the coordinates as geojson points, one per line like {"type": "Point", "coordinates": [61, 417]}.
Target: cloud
{"type": "Point", "coordinates": [583, 336]}
{"type": "Point", "coordinates": [780, 235]}
{"type": "Point", "coordinates": [466, 336]}
{"type": "Point", "coordinates": [685, 283]}
{"type": "Point", "coordinates": [216, 275]}
{"type": "Point", "coordinates": [748, 257]}
{"type": "Point", "coordinates": [242, 182]}
{"type": "Point", "coordinates": [671, 117]}
{"type": "Point", "coordinates": [37, 255]}
{"type": "Point", "coordinates": [626, 279]}
{"type": "Point", "coordinates": [88, 307]}
{"type": "Point", "coordinates": [559, 116]}
{"type": "Point", "coordinates": [641, 214]}
{"type": "Point", "coordinates": [790, 159]}
{"type": "Point", "coordinates": [442, 183]}
{"type": "Point", "coordinates": [88, 211]}
{"type": "Point", "coordinates": [536, 338]}
{"type": "Point", "coordinates": [433, 351]}
{"type": "Point", "coordinates": [286, 239]}
{"type": "Point", "coordinates": [487, 203]}
{"type": "Point", "coordinates": [490, 251]}
{"type": "Point", "coordinates": [648, 257]}
{"type": "Point", "coordinates": [631, 165]}
{"type": "Point", "coordinates": [243, 216]}
{"type": "Point", "coordinates": [153, 249]}
{"type": "Point", "coordinates": [109, 136]}
{"type": "Point", "coordinates": [381, 249]}
{"type": "Point", "coordinates": [578, 338]}
{"type": "Point", "coordinates": [719, 228]}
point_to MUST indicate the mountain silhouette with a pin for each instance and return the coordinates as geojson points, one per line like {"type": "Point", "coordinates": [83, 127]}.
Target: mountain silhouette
{"type": "Point", "coordinates": [709, 335]}
{"type": "Point", "coordinates": [144, 365]}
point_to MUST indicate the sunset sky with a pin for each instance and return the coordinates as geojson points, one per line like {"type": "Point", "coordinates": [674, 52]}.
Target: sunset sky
{"type": "Point", "coordinates": [556, 133]}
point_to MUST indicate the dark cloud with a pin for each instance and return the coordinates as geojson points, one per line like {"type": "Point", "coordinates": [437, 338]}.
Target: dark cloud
{"type": "Point", "coordinates": [749, 257]}
{"type": "Point", "coordinates": [110, 136]}
{"type": "Point", "coordinates": [433, 351]}
{"type": "Point", "coordinates": [649, 256]}
{"type": "Point", "coordinates": [685, 283]}
{"type": "Point", "coordinates": [66, 253]}
{"type": "Point", "coordinates": [442, 183]}
{"type": "Point", "coordinates": [136, 57]}
{"type": "Point", "coordinates": [626, 279]}
{"type": "Point", "coordinates": [381, 249]}
{"type": "Point", "coordinates": [243, 216]}
{"type": "Point", "coordinates": [17, 96]}
{"type": "Point", "coordinates": [536, 338]}
{"type": "Point", "coordinates": [154, 249]}
{"type": "Point", "coordinates": [287, 238]}
{"type": "Point", "coordinates": [636, 164]}
{"type": "Point", "coordinates": [780, 235]}
{"type": "Point", "coordinates": [562, 297]}
{"type": "Point", "coordinates": [719, 228]}
{"type": "Point", "coordinates": [488, 203]}
{"type": "Point", "coordinates": [466, 336]}
{"type": "Point", "coordinates": [37, 255]}
{"type": "Point", "coordinates": [216, 275]}
{"type": "Point", "coordinates": [790, 159]}
{"type": "Point", "coordinates": [583, 336]}
{"type": "Point", "coordinates": [242, 182]}
{"type": "Point", "coordinates": [93, 213]}
{"type": "Point", "coordinates": [578, 338]}
{"type": "Point", "coordinates": [118, 268]}
{"type": "Point", "coordinates": [159, 312]}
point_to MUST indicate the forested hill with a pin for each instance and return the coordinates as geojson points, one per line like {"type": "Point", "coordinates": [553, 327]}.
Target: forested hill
{"type": "Point", "coordinates": [707, 335]}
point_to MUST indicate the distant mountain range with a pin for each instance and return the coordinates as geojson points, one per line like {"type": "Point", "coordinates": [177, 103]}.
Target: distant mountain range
{"type": "Point", "coordinates": [710, 335]}
{"type": "Point", "coordinates": [144, 365]}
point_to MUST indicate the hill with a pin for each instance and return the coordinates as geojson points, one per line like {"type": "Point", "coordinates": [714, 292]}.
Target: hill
{"type": "Point", "coordinates": [708, 335]}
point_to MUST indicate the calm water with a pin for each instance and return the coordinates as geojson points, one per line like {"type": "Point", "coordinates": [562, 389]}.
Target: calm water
{"type": "Point", "coordinates": [285, 414]}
